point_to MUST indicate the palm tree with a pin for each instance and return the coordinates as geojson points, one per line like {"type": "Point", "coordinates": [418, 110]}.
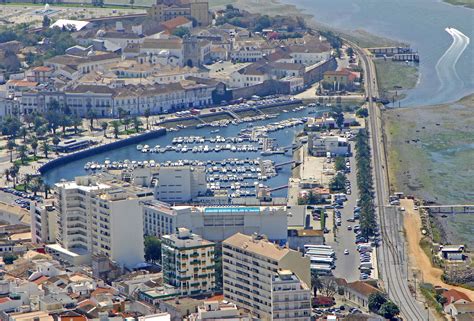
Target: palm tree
{"type": "Point", "coordinates": [76, 122]}
{"type": "Point", "coordinates": [121, 113]}
{"type": "Point", "coordinates": [36, 185]}
{"type": "Point", "coordinates": [46, 189]}
{"type": "Point", "coordinates": [104, 126]}
{"type": "Point", "coordinates": [23, 132]}
{"type": "Point", "coordinates": [56, 142]}
{"type": "Point", "coordinates": [115, 125]}
{"type": "Point", "coordinates": [27, 181]}
{"type": "Point", "coordinates": [315, 282]}
{"type": "Point", "coordinates": [22, 153]}
{"type": "Point", "coordinates": [45, 148]}
{"type": "Point", "coordinates": [147, 114]}
{"type": "Point", "coordinates": [14, 170]}
{"type": "Point", "coordinates": [91, 115]}
{"type": "Point", "coordinates": [126, 122]}
{"type": "Point", "coordinates": [11, 146]}
{"type": "Point", "coordinates": [34, 146]}
{"type": "Point", "coordinates": [136, 124]}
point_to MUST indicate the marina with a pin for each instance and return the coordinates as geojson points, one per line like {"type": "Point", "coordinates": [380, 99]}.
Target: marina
{"type": "Point", "coordinates": [276, 133]}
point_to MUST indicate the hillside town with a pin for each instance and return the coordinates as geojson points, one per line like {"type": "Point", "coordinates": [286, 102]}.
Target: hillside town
{"type": "Point", "coordinates": [184, 163]}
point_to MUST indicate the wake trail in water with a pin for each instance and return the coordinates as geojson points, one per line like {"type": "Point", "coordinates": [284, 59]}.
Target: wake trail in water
{"type": "Point", "coordinates": [446, 65]}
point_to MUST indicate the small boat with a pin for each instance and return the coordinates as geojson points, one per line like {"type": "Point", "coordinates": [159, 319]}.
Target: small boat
{"type": "Point", "coordinates": [215, 131]}
{"type": "Point", "coordinates": [139, 147]}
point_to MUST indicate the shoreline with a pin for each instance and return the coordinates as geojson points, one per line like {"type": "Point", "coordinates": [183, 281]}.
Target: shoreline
{"type": "Point", "coordinates": [275, 7]}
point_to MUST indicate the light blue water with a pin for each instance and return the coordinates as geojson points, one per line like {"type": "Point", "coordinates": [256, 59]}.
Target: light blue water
{"type": "Point", "coordinates": [283, 138]}
{"type": "Point", "coordinates": [420, 23]}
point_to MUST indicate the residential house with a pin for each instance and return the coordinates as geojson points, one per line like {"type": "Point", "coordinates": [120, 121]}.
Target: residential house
{"type": "Point", "coordinates": [358, 292]}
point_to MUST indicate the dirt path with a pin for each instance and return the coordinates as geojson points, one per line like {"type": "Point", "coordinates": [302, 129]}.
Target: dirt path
{"type": "Point", "coordinates": [420, 260]}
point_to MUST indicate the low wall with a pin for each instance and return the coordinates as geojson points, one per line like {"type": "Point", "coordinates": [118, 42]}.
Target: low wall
{"type": "Point", "coordinates": [99, 149]}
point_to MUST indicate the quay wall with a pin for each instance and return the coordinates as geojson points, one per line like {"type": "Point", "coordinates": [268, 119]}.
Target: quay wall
{"type": "Point", "coordinates": [99, 149]}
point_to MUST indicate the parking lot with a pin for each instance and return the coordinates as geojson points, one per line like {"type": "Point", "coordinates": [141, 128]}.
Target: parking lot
{"type": "Point", "coordinates": [20, 199]}
{"type": "Point", "coordinates": [342, 237]}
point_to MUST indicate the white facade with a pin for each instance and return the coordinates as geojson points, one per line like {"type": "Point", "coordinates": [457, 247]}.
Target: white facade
{"type": "Point", "coordinates": [291, 298]}
{"type": "Point", "coordinates": [96, 218]}
{"type": "Point", "coordinates": [43, 223]}
{"type": "Point", "coordinates": [180, 183]}
{"type": "Point", "coordinates": [215, 223]}
{"type": "Point", "coordinates": [251, 267]}
{"type": "Point", "coordinates": [188, 262]}
{"type": "Point", "coordinates": [321, 145]}
{"type": "Point", "coordinates": [215, 310]}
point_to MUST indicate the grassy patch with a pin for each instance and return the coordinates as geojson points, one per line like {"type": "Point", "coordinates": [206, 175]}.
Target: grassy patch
{"type": "Point", "coordinates": [393, 77]}
{"type": "Point", "coordinates": [464, 3]}
{"type": "Point", "coordinates": [27, 161]}
{"type": "Point", "coordinates": [426, 247]}
{"type": "Point", "coordinates": [20, 187]}
{"type": "Point", "coordinates": [429, 293]}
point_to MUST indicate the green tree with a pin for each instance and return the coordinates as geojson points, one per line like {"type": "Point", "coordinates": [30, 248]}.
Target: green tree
{"type": "Point", "coordinates": [350, 52]}
{"type": "Point", "coordinates": [34, 146]}
{"type": "Point", "coordinates": [46, 188]}
{"type": "Point", "coordinates": [22, 154]}
{"type": "Point", "coordinates": [147, 115]}
{"type": "Point", "coordinates": [91, 115]}
{"type": "Point", "coordinates": [152, 249]}
{"type": "Point", "coordinates": [126, 122]}
{"type": "Point", "coordinates": [181, 32]}
{"type": "Point", "coordinates": [76, 123]}
{"type": "Point", "coordinates": [23, 132]}
{"type": "Point", "coordinates": [104, 126]}
{"type": "Point", "coordinates": [362, 112]}
{"type": "Point", "coordinates": [389, 310]}
{"type": "Point", "coordinates": [46, 21]}
{"type": "Point", "coordinates": [121, 113]}
{"type": "Point", "coordinates": [376, 300]}
{"type": "Point", "coordinates": [340, 163]}
{"type": "Point", "coordinates": [136, 124]}
{"type": "Point", "coordinates": [11, 146]}
{"type": "Point", "coordinates": [36, 185]}
{"type": "Point", "coordinates": [337, 183]}
{"type": "Point", "coordinates": [340, 119]}
{"type": "Point", "coordinates": [115, 124]}
{"type": "Point", "coordinates": [56, 142]}
{"type": "Point", "coordinates": [132, 2]}
{"type": "Point", "coordinates": [14, 170]}
{"type": "Point", "coordinates": [315, 282]}
{"type": "Point", "coordinates": [9, 258]}
{"type": "Point", "coordinates": [45, 148]}
{"type": "Point", "coordinates": [11, 126]}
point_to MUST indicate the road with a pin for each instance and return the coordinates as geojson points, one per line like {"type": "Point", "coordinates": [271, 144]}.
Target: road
{"type": "Point", "coordinates": [391, 256]}
{"type": "Point", "coordinates": [346, 265]}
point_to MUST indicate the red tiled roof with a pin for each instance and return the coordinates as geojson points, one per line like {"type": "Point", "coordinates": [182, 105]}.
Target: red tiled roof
{"type": "Point", "coordinates": [42, 68]}
{"type": "Point", "coordinates": [455, 295]}
{"type": "Point", "coordinates": [3, 300]}
{"type": "Point", "coordinates": [175, 22]}
{"type": "Point", "coordinates": [362, 288]}
{"type": "Point", "coordinates": [40, 280]}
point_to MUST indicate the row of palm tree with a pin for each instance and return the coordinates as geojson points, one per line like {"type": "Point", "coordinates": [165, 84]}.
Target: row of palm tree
{"type": "Point", "coordinates": [31, 183]}
{"type": "Point", "coordinates": [368, 220]}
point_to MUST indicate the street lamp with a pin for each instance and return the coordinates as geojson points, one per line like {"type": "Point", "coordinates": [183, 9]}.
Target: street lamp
{"type": "Point", "coordinates": [427, 311]}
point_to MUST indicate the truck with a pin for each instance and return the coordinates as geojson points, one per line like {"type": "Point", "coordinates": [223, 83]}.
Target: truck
{"type": "Point", "coordinates": [365, 265]}
{"type": "Point", "coordinates": [321, 252]}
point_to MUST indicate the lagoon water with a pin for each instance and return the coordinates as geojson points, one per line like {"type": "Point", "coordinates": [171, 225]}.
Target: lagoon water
{"type": "Point", "coordinates": [447, 59]}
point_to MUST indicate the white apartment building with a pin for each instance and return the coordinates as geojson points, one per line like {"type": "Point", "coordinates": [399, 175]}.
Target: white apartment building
{"type": "Point", "coordinates": [215, 223]}
{"type": "Point", "coordinates": [321, 145]}
{"type": "Point", "coordinates": [250, 267]}
{"type": "Point", "coordinates": [43, 223]}
{"type": "Point", "coordinates": [98, 218]}
{"type": "Point", "coordinates": [291, 298]}
{"type": "Point", "coordinates": [188, 262]}
{"type": "Point", "coordinates": [218, 310]}
{"type": "Point", "coordinates": [178, 184]}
